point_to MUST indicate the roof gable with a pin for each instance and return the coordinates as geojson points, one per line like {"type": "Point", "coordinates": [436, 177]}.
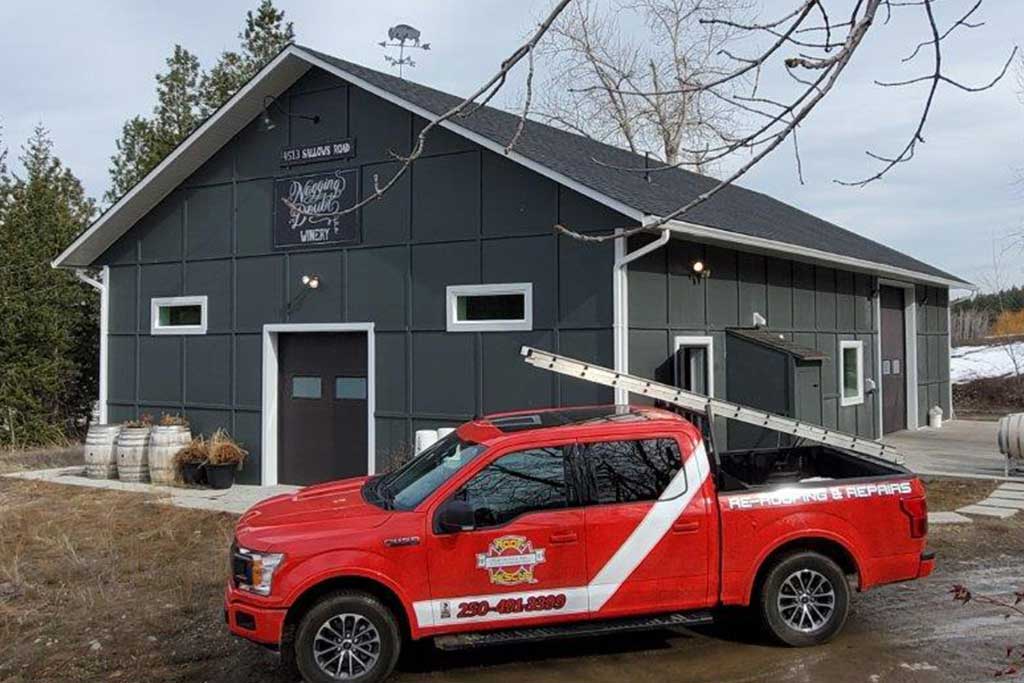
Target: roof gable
{"type": "Point", "coordinates": [580, 163]}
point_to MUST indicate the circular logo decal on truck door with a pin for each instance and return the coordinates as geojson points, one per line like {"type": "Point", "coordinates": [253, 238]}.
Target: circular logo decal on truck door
{"type": "Point", "coordinates": [510, 560]}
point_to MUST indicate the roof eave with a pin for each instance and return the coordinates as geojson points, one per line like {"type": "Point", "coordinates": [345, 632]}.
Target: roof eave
{"type": "Point", "coordinates": [802, 253]}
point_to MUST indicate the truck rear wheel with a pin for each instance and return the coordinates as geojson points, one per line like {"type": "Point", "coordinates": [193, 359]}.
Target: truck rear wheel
{"type": "Point", "coordinates": [804, 599]}
{"type": "Point", "coordinates": [347, 636]}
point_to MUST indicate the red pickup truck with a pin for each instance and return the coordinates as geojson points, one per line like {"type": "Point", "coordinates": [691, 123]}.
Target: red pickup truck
{"type": "Point", "coordinates": [556, 523]}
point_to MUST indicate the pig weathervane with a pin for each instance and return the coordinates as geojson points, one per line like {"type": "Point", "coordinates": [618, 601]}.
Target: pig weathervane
{"type": "Point", "coordinates": [403, 37]}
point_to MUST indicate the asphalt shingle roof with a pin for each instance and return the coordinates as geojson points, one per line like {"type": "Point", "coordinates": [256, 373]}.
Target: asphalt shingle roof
{"type": "Point", "coordinates": [734, 209]}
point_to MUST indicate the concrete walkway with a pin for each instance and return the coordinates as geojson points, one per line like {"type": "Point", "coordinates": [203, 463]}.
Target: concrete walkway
{"type": "Point", "coordinates": [961, 448]}
{"type": "Point", "coordinates": [236, 499]}
{"type": "Point", "coordinates": [1006, 501]}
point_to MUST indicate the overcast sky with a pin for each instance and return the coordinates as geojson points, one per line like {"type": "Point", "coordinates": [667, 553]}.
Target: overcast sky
{"type": "Point", "coordinates": [81, 69]}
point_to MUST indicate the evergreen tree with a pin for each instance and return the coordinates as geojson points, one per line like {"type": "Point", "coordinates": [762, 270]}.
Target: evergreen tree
{"type": "Point", "coordinates": [266, 33]}
{"type": "Point", "coordinates": [48, 321]}
{"type": "Point", "coordinates": [186, 96]}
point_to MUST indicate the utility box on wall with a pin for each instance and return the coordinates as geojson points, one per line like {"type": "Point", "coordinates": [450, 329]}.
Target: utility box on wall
{"type": "Point", "coordinates": [767, 371]}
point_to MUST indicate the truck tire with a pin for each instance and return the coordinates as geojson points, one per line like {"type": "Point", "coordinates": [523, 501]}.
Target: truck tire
{"type": "Point", "coordinates": [804, 599]}
{"type": "Point", "coordinates": [347, 636]}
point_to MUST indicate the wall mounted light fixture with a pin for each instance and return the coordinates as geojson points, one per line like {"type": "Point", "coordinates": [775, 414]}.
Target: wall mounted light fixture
{"type": "Point", "coordinates": [699, 271]}
{"type": "Point", "coordinates": [268, 123]}
{"type": "Point", "coordinates": [311, 281]}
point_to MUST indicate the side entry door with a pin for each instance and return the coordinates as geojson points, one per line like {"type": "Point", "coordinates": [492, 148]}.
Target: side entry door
{"type": "Point", "coordinates": [648, 527]}
{"type": "Point", "coordinates": [524, 558]}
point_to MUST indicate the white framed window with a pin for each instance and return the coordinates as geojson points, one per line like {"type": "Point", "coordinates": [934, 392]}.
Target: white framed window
{"type": "Point", "coordinates": [695, 364]}
{"type": "Point", "coordinates": [851, 373]}
{"type": "Point", "coordinates": [490, 308]}
{"type": "Point", "coordinates": [177, 315]}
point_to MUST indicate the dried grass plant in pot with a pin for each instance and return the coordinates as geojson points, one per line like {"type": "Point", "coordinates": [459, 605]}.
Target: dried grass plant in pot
{"type": "Point", "coordinates": [225, 458]}
{"type": "Point", "coordinates": [190, 462]}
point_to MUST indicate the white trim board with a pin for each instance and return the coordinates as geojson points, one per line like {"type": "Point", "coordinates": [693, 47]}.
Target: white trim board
{"type": "Point", "coordinates": [844, 344]}
{"type": "Point", "coordinates": [454, 292]}
{"type": "Point", "coordinates": [271, 374]}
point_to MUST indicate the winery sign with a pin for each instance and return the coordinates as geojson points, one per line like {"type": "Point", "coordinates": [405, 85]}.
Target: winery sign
{"type": "Point", "coordinates": [308, 209]}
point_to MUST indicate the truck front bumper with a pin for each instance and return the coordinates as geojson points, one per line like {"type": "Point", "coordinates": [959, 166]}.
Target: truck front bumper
{"type": "Point", "coordinates": [253, 622]}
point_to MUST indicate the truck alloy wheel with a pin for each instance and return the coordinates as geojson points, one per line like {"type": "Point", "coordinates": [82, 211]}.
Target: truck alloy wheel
{"type": "Point", "coordinates": [804, 599]}
{"type": "Point", "coordinates": [347, 636]}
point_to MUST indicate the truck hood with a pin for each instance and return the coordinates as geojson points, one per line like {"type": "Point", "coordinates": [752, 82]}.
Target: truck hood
{"type": "Point", "coordinates": [316, 512]}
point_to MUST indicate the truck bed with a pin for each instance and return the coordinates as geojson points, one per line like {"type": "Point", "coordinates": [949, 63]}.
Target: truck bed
{"type": "Point", "coordinates": [748, 470]}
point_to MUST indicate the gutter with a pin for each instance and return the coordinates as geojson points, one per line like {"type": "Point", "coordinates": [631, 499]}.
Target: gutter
{"type": "Point", "coordinates": [620, 299]}
{"type": "Point", "coordinates": [101, 285]}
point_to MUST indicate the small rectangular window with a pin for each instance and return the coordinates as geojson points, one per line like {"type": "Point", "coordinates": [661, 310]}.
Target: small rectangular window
{"type": "Point", "coordinates": [490, 308]}
{"type": "Point", "coordinates": [350, 388]}
{"type": "Point", "coordinates": [178, 315]}
{"type": "Point", "coordinates": [632, 471]}
{"type": "Point", "coordinates": [851, 372]}
{"type": "Point", "coordinates": [306, 387]}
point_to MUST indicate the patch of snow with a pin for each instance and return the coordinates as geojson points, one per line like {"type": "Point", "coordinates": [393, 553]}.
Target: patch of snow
{"type": "Point", "coordinates": [978, 362]}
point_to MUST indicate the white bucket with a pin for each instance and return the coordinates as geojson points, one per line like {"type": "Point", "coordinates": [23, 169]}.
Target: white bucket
{"type": "Point", "coordinates": [935, 417]}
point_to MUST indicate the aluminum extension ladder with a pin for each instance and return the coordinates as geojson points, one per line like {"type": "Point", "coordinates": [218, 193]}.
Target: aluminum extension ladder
{"type": "Point", "coordinates": [699, 403]}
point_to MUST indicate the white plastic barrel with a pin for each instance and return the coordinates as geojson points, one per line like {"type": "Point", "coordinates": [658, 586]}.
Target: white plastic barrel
{"type": "Point", "coordinates": [1011, 440]}
{"type": "Point", "coordinates": [425, 438]}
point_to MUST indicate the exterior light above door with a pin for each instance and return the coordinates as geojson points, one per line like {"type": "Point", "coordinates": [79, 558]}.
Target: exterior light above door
{"type": "Point", "coordinates": [311, 281]}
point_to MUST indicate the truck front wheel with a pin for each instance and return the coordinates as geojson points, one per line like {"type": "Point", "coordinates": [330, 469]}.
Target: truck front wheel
{"type": "Point", "coordinates": [347, 636]}
{"type": "Point", "coordinates": [804, 599]}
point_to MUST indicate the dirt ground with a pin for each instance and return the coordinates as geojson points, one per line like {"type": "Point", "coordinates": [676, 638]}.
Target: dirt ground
{"type": "Point", "coordinates": [989, 398]}
{"type": "Point", "coordinates": [102, 585]}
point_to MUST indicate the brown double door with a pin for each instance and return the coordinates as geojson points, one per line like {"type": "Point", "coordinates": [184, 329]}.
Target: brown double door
{"type": "Point", "coordinates": [894, 355]}
{"type": "Point", "coordinates": [322, 406]}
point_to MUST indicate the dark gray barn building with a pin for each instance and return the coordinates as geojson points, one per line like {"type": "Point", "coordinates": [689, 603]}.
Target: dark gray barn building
{"type": "Point", "coordinates": [233, 291]}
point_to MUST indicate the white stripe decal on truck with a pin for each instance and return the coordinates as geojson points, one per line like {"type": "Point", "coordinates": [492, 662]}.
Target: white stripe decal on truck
{"type": "Point", "coordinates": [595, 595]}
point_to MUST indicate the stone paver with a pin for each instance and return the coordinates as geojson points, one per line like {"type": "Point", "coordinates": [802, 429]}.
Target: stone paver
{"type": "Point", "coordinates": [948, 518]}
{"type": "Point", "coordinates": [236, 499]}
{"type": "Point", "coordinates": [1008, 493]}
{"type": "Point", "coordinates": [998, 502]}
{"type": "Point", "coordinates": [1013, 486]}
{"type": "Point", "coordinates": [987, 511]}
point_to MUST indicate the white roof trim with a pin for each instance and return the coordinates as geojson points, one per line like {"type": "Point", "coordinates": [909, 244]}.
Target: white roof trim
{"type": "Point", "coordinates": [799, 253]}
{"type": "Point", "coordinates": [278, 75]}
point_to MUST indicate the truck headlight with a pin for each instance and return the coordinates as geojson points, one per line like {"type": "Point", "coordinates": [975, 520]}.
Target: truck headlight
{"type": "Point", "coordinates": [254, 571]}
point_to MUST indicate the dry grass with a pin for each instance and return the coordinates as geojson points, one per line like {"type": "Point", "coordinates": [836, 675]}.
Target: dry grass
{"type": "Point", "coordinates": [41, 458]}
{"type": "Point", "coordinates": [144, 581]}
{"type": "Point", "coordinates": [950, 494]}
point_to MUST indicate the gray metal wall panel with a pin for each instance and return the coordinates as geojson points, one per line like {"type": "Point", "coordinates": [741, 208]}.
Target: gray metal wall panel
{"type": "Point", "coordinates": [584, 283]}
{"type": "Point", "coordinates": [444, 371]}
{"type": "Point", "coordinates": [160, 376]}
{"type": "Point", "coordinates": [686, 292]}
{"type": "Point", "coordinates": [516, 200]}
{"type": "Point", "coordinates": [780, 294]}
{"type": "Point", "coordinates": [124, 306]}
{"type": "Point", "coordinates": [846, 309]}
{"type": "Point", "coordinates": [378, 285]}
{"type": "Point", "coordinates": [247, 430]}
{"type": "Point", "coordinates": [332, 108]}
{"type": "Point", "coordinates": [208, 370]}
{"type": "Point", "coordinates": [753, 289]}
{"type": "Point", "coordinates": [439, 140]}
{"type": "Point", "coordinates": [253, 222]}
{"type": "Point", "coordinates": [219, 169]}
{"type": "Point", "coordinates": [509, 384]}
{"type": "Point", "coordinates": [648, 290]}
{"type": "Point", "coordinates": [825, 298]}
{"type": "Point", "coordinates": [392, 367]}
{"type": "Point", "coordinates": [446, 197]}
{"type": "Point", "coordinates": [722, 288]}
{"type": "Point", "coordinates": [380, 128]}
{"type": "Point", "coordinates": [121, 350]}
{"type": "Point", "coordinates": [248, 366]}
{"type": "Point", "coordinates": [208, 221]}
{"type": "Point", "coordinates": [804, 317]}
{"type": "Point", "coordinates": [159, 232]}
{"type": "Point", "coordinates": [585, 344]}
{"type": "Point", "coordinates": [156, 280]}
{"type": "Point", "coordinates": [212, 279]}
{"type": "Point", "coordinates": [259, 292]}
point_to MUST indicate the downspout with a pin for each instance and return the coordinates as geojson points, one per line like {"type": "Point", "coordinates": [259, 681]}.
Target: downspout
{"type": "Point", "coordinates": [101, 285]}
{"type": "Point", "coordinates": [620, 300]}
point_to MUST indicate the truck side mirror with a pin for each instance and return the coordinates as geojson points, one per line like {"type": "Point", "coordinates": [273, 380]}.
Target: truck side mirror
{"type": "Point", "coordinates": [454, 516]}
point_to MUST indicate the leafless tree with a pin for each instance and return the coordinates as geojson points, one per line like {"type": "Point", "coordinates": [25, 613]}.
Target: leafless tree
{"type": "Point", "coordinates": [591, 61]}
{"type": "Point", "coordinates": [996, 281]}
{"type": "Point", "coordinates": [811, 42]}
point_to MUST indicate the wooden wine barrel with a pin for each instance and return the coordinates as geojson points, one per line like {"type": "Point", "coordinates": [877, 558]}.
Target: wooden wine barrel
{"type": "Point", "coordinates": [132, 454]}
{"type": "Point", "coordinates": [101, 451]}
{"type": "Point", "coordinates": [164, 443]}
{"type": "Point", "coordinates": [1011, 440]}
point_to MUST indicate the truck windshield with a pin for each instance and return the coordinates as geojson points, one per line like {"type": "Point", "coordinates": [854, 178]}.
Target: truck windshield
{"type": "Point", "coordinates": [408, 486]}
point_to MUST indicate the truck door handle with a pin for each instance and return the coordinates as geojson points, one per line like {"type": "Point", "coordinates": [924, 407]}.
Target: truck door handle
{"type": "Point", "coordinates": [686, 527]}
{"type": "Point", "coordinates": [564, 537]}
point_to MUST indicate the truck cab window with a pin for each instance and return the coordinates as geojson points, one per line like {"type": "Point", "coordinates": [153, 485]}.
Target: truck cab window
{"type": "Point", "coordinates": [631, 471]}
{"type": "Point", "coordinates": [517, 483]}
